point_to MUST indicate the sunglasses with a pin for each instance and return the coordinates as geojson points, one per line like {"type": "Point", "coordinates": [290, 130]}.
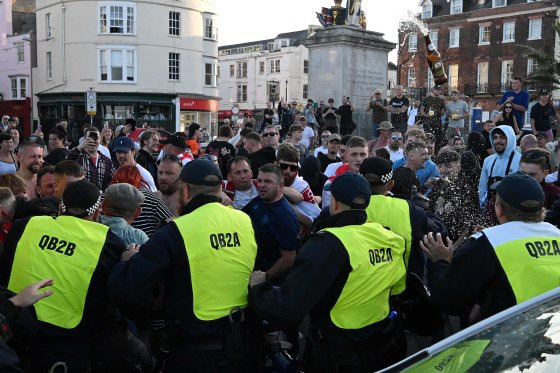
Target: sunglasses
{"type": "Point", "coordinates": [508, 107]}
{"type": "Point", "coordinates": [302, 120]}
{"type": "Point", "coordinates": [396, 137]}
{"type": "Point", "coordinates": [284, 166]}
{"type": "Point", "coordinates": [377, 94]}
{"type": "Point", "coordinates": [172, 158]}
{"type": "Point", "coordinates": [269, 134]}
{"type": "Point", "coordinates": [325, 137]}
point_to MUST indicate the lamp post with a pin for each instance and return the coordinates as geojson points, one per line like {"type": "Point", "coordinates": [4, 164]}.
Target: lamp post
{"type": "Point", "coordinates": [273, 85]}
{"type": "Point", "coordinates": [287, 99]}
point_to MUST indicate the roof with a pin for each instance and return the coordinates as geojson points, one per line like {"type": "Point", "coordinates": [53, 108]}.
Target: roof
{"type": "Point", "coordinates": [295, 39]}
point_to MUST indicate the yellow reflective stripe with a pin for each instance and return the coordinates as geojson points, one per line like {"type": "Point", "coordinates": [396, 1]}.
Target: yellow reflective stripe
{"type": "Point", "coordinates": [66, 249]}
{"type": "Point", "coordinates": [393, 213]}
{"type": "Point", "coordinates": [457, 359]}
{"type": "Point", "coordinates": [376, 258]}
{"type": "Point", "coordinates": [221, 252]}
{"type": "Point", "coordinates": [534, 258]}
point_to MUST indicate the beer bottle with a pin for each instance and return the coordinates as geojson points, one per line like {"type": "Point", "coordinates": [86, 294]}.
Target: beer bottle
{"type": "Point", "coordinates": [434, 60]}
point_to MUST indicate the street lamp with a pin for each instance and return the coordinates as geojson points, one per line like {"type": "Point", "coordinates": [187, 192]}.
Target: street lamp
{"type": "Point", "coordinates": [273, 85]}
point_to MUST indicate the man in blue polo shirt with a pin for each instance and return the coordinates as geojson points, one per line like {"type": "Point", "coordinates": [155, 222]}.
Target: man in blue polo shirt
{"type": "Point", "coordinates": [518, 98]}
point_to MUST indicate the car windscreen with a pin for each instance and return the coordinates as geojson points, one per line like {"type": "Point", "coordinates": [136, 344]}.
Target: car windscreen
{"type": "Point", "coordinates": [527, 342]}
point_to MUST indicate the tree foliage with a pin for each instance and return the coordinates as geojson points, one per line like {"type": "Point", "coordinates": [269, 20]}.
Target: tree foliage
{"type": "Point", "coordinates": [546, 73]}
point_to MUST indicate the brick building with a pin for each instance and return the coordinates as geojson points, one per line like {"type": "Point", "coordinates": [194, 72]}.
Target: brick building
{"type": "Point", "coordinates": [483, 43]}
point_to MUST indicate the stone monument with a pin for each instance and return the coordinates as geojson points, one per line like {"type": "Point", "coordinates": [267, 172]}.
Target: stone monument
{"type": "Point", "coordinates": [346, 60]}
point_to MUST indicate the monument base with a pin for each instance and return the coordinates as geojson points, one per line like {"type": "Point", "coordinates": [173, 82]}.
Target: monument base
{"type": "Point", "coordinates": [348, 61]}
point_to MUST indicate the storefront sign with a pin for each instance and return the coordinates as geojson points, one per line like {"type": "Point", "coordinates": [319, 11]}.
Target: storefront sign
{"type": "Point", "coordinates": [198, 104]}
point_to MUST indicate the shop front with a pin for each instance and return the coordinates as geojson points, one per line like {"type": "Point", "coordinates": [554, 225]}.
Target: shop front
{"type": "Point", "coordinates": [203, 111]}
{"type": "Point", "coordinates": [153, 110]}
{"type": "Point", "coordinates": [20, 109]}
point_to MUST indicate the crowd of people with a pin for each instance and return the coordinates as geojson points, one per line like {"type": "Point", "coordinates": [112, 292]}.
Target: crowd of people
{"type": "Point", "coordinates": [283, 244]}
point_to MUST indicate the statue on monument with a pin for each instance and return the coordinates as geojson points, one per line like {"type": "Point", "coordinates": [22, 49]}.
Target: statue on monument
{"type": "Point", "coordinates": [352, 15]}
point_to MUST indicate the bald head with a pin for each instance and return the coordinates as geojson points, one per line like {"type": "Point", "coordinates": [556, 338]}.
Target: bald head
{"type": "Point", "coordinates": [528, 142]}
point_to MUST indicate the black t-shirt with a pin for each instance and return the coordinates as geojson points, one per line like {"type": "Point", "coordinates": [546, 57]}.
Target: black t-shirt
{"type": "Point", "coordinates": [215, 148]}
{"type": "Point", "coordinates": [397, 103]}
{"type": "Point", "coordinates": [268, 112]}
{"type": "Point", "coordinates": [330, 115]}
{"type": "Point", "coordinates": [326, 161]}
{"type": "Point", "coordinates": [541, 115]}
{"type": "Point", "coordinates": [345, 112]}
{"type": "Point", "coordinates": [57, 155]}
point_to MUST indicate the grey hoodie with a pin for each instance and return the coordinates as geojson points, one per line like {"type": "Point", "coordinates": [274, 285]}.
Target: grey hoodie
{"type": "Point", "coordinates": [499, 161]}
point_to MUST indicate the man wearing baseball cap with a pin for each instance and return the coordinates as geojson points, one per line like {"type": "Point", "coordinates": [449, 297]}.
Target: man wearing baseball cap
{"type": "Point", "coordinates": [399, 215]}
{"type": "Point", "coordinates": [343, 277]}
{"type": "Point", "coordinates": [204, 258]}
{"type": "Point", "coordinates": [125, 150]}
{"type": "Point", "coordinates": [77, 253]}
{"type": "Point", "coordinates": [500, 266]}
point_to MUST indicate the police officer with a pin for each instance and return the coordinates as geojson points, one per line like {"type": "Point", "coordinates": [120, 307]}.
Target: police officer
{"type": "Point", "coordinates": [76, 323]}
{"type": "Point", "coordinates": [503, 265]}
{"type": "Point", "coordinates": [204, 258]}
{"type": "Point", "coordinates": [400, 216]}
{"type": "Point", "coordinates": [343, 277]}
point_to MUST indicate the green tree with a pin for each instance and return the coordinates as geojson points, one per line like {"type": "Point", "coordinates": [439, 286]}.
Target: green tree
{"type": "Point", "coordinates": [546, 73]}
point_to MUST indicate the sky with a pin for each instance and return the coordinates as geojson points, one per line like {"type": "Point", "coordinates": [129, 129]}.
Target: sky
{"type": "Point", "coordinates": [248, 20]}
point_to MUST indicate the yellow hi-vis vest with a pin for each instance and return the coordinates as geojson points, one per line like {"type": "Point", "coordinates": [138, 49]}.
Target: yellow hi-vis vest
{"type": "Point", "coordinates": [376, 258]}
{"type": "Point", "coordinates": [529, 253]}
{"type": "Point", "coordinates": [66, 249]}
{"type": "Point", "coordinates": [221, 252]}
{"type": "Point", "coordinates": [393, 213]}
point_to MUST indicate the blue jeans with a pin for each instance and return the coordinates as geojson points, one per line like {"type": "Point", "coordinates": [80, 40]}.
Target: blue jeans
{"type": "Point", "coordinates": [374, 128]}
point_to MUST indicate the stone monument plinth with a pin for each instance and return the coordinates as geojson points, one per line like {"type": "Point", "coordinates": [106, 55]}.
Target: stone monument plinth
{"type": "Point", "coordinates": [348, 61]}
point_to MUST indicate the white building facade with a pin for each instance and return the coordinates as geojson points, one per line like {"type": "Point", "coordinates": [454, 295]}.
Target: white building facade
{"type": "Point", "coordinates": [255, 73]}
{"type": "Point", "coordinates": [16, 58]}
{"type": "Point", "coordinates": [152, 61]}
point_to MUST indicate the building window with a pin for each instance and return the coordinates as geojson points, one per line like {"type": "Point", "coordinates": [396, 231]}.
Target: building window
{"type": "Point", "coordinates": [453, 77]}
{"type": "Point", "coordinates": [273, 92]}
{"type": "Point", "coordinates": [305, 66]}
{"type": "Point", "coordinates": [231, 71]}
{"type": "Point", "coordinates": [412, 42]}
{"type": "Point", "coordinates": [482, 78]}
{"type": "Point", "coordinates": [210, 32]}
{"type": "Point", "coordinates": [305, 91]}
{"type": "Point", "coordinates": [507, 74]}
{"type": "Point", "coordinates": [261, 67]}
{"type": "Point", "coordinates": [242, 69]}
{"type": "Point", "coordinates": [270, 46]}
{"type": "Point", "coordinates": [509, 31]}
{"type": "Point", "coordinates": [174, 23]}
{"type": "Point", "coordinates": [531, 67]}
{"type": "Point", "coordinates": [242, 93]}
{"type": "Point", "coordinates": [498, 3]}
{"type": "Point", "coordinates": [285, 43]}
{"type": "Point", "coordinates": [454, 38]}
{"type": "Point", "coordinates": [174, 66]}
{"type": "Point", "coordinates": [210, 74]}
{"type": "Point", "coordinates": [117, 65]}
{"type": "Point", "coordinates": [434, 35]}
{"type": "Point", "coordinates": [484, 34]}
{"type": "Point", "coordinates": [430, 80]}
{"type": "Point", "coordinates": [218, 73]}
{"type": "Point", "coordinates": [274, 66]}
{"type": "Point", "coordinates": [456, 6]}
{"type": "Point", "coordinates": [535, 26]}
{"type": "Point", "coordinates": [411, 82]}
{"type": "Point", "coordinates": [48, 29]}
{"type": "Point", "coordinates": [49, 66]}
{"type": "Point", "coordinates": [117, 18]}
{"type": "Point", "coordinates": [20, 52]}
{"type": "Point", "coordinates": [427, 9]}
{"type": "Point", "coordinates": [19, 88]}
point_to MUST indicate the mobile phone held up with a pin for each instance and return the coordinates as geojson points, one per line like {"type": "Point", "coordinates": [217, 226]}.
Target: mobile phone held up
{"type": "Point", "coordinates": [93, 136]}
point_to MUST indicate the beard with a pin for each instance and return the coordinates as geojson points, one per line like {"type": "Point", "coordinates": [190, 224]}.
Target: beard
{"type": "Point", "coordinates": [33, 168]}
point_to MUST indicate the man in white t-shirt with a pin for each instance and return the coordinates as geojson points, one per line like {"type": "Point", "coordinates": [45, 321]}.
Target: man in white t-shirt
{"type": "Point", "coordinates": [240, 187]}
{"type": "Point", "coordinates": [126, 150]}
{"type": "Point", "coordinates": [324, 148]}
{"type": "Point", "coordinates": [413, 112]}
{"type": "Point", "coordinates": [308, 134]}
{"type": "Point", "coordinates": [395, 148]}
